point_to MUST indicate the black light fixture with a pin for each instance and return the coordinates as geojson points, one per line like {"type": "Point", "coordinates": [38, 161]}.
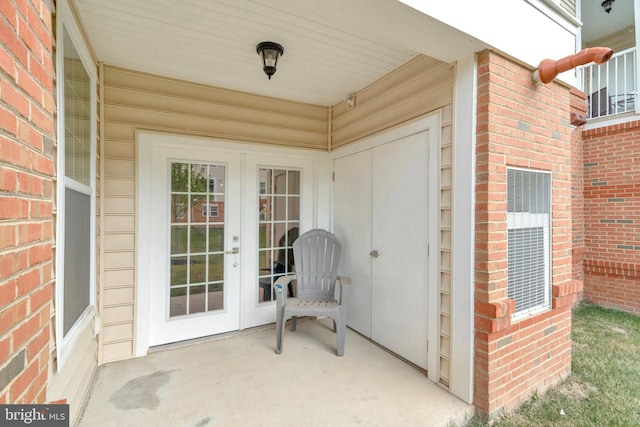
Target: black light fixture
{"type": "Point", "coordinates": [606, 4]}
{"type": "Point", "coordinates": [269, 52]}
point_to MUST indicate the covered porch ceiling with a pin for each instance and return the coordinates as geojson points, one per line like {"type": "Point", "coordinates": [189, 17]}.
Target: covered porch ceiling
{"type": "Point", "coordinates": [331, 47]}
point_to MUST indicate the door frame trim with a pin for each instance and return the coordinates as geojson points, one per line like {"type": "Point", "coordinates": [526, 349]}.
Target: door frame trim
{"type": "Point", "coordinates": [431, 123]}
{"type": "Point", "coordinates": [145, 141]}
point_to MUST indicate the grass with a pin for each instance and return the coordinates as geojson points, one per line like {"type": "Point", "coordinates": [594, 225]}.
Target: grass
{"type": "Point", "coordinates": [604, 386]}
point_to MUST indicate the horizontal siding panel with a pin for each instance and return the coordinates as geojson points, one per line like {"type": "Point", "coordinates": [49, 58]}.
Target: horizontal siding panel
{"type": "Point", "coordinates": [119, 277]}
{"type": "Point", "coordinates": [197, 108]}
{"type": "Point", "coordinates": [212, 127]}
{"type": "Point", "coordinates": [118, 132]}
{"type": "Point", "coordinates": [400, 75]}
{"type": "Point", "coordinates": [120, 150]}
{"type": "Point", "coordinates": [117, 314]}
{"type": "Point", "coordinates": [113, 352]}
{"type": "Point", "coordinates": [115, 260]}
{"type": "Point", "coordinates": [121, 78]}
{"type": "Point", "coordinates": [119, 205]}
{"type": "Point", "coordinates": [119, 242]}
{"type": "Point", "coordinates": [118, 296]}
{"type": "Point", "coordinates": [119, 223]}
{"type": "Point", "coordinates": [120, 168]}
{"type": "Point", "coordinates": [115, 333]}
{"type": "Point", "coordinates": [423, 83]}
{"type": "Point", "coordinates": [413, 107]}
{"type": "Point", "coordinates": [119, 187]}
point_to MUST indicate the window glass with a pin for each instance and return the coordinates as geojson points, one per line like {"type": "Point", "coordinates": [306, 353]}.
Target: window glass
{"type": "Point", "coordinates": [528, 240]}
{"type": "Point", "coordinates": [77, 115]}
{"type": "Point", "coordinates": [279, 225]}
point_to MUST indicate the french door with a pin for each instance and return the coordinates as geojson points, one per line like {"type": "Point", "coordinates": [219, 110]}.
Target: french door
{"type": "Point", "coordinates": [195, 248]}
{"type": "Point", "coordinates": [220, 225]}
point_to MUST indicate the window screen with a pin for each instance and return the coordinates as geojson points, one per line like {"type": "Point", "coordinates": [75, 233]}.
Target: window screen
{"type": "Point", "coordinates": [529, 235]}
{"type": "Point", "coordinates": [77, 256]}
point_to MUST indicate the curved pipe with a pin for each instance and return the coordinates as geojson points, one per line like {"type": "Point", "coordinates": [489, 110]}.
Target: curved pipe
{"type": "Point", "coordinates": [549, 69]}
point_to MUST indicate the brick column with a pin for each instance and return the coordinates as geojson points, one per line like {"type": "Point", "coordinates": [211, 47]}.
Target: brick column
{"type": "Point", "coordinates": [26, 198]}
{"type": "Point", "coordinates": [524, 125]}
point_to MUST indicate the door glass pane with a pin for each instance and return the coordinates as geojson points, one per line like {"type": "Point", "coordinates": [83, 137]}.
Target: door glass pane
{"type": "Point", "coordinates": [279, 224]}
{"type": "Point", "coordinates": [197, 238]}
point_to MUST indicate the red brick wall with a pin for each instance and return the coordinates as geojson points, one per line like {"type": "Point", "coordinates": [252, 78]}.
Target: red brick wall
{"type": "Point", "coordinates": [612, 213]}
{"type": "Point", "coordinates": [578, 106]}
{"type": "Point", "coordinates": [26, 188]}
{"type": "Point", "coordinates": [525, 125]}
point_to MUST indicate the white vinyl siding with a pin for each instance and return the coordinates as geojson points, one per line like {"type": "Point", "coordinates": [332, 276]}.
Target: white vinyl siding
{"type": "Point", "coordinates": [529, 236]}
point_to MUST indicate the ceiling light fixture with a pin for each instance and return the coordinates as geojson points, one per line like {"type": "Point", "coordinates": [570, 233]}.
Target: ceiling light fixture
{"type": "Point", "coordinates": [606, 4]}
{"type": "Point", "coordinates": [269, 52]}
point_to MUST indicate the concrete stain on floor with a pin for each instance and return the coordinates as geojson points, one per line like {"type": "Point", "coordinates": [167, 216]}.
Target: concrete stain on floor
{"type": "Point", "coordinates": [141, 392]}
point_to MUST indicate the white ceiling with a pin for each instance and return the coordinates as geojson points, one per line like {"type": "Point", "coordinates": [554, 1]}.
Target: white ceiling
{"type": "Point", "coordinates": [596, 23]}
{"type": "Point", "coordinates": [331, 47]}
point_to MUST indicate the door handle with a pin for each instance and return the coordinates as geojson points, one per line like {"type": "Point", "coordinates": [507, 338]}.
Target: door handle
{"type": "Point", "coordinates": [235, 250]}
{"type": "Point", "coordinates": [374, 253]}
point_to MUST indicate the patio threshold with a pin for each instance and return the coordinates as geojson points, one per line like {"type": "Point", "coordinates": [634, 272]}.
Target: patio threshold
{"type": "Point", "coordinates": [238, 380]}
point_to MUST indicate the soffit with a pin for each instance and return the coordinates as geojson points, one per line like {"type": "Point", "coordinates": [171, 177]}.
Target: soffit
{"type": "Point", "coordinates": [331, 47]}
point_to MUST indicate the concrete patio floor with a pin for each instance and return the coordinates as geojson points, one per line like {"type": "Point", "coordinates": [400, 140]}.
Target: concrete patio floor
{"type": "Point", "coordinates": [238, 380]}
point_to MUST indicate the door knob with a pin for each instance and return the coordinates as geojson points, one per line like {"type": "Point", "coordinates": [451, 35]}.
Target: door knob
{"type": "Point", "coordinates": [374, 253]}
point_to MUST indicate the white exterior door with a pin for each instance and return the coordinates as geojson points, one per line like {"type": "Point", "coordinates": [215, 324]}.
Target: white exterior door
{"type": "Point", "coordinates": [216, 227]}
{"type": "Point", "coordinates": [195, 200]}
{"type": "Point", "coordinates": [382, 217]}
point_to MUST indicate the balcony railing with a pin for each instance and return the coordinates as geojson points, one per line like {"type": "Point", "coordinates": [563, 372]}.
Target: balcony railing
{"type": "Point", "coordinates": [611, 87]}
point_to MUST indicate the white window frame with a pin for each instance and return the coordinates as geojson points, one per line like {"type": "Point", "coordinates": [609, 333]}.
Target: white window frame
{"type": "Point", "coordinates": [210, 210]}
{"type": "Point", "coordinates": [65, 344]}
{"type": "Point", "coordinates": [519, 220]}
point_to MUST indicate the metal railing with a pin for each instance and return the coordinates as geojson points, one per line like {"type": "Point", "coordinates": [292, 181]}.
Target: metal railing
{"type": "Point", "coordinates": [610, 87]}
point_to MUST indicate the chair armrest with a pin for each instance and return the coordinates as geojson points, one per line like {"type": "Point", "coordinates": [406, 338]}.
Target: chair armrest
{"type": "Point", "coordinates": [280, 286]}
{"type": "Point", "coordinates": [345, 288]}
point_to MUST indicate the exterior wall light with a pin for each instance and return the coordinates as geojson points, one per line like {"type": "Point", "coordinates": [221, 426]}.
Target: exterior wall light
{"type": "Point", "coordinates": [269, 52]}
{"type": "Point", "coordinates": [606, 4]}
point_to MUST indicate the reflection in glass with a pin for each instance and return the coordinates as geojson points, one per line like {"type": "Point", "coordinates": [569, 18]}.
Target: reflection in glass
{"type": "Point", "coordinates": [293, 183]}
{"type": "Point", "coordinates": [179, 236]}
{"type": "Point", "coordinates": [279, 182]}
{"type": "Point", "coordinates": [198, 269]}
{"type": "Point", "coordinates": [197, 238]}
{"type": "Point", "coordinates": [279, 224]}
{"type": "Point", "coordinates": [179, 177]}
{"type": "Point", "coordinates": [293, 209]}
{"type": "Point", "coordinates": [216, 267]}
{"type": "Point", "coordinates": [77, 115]}
{"type": "Point", "coordinates": [198, 208]}
{"type": "Point", "coordinates": [179, 208]}
{"type": "Point", "coordinates": [197, 299]}
{"type": "Point", "coordinates": [280, 208]}
{"type": "Point", "coordinates": [178, 301]}
{"type": "Point", "coordinates": [216, 238]}
{"type": "Point", "coordinates": [178, 270]}
{"type": "Point", "coordinates": [199, 182]}
{"type": "Point", "coordinates": [215, 296]}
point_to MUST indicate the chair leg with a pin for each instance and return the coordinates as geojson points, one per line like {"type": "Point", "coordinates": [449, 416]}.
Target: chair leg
{"type": "Point", "coordinates": [279, 330]}
{"type": "Point", "coordinates": [341, 330]}
{"type": "Point", "coordinates": [293, 323]}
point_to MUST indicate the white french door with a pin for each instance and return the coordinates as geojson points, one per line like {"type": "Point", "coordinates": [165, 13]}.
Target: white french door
{"type": "Point", "coordinates": [216, 227]}
{"type": "Point", "coordinates": [195, 200]}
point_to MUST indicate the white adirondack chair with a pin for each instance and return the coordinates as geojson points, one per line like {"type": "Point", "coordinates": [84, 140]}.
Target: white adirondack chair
{"type": "Point", "coordinates": [316, 257]}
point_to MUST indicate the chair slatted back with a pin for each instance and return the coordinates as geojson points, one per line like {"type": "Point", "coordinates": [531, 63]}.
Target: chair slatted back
{"type": "Point", "coordinates": [317, 256]}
